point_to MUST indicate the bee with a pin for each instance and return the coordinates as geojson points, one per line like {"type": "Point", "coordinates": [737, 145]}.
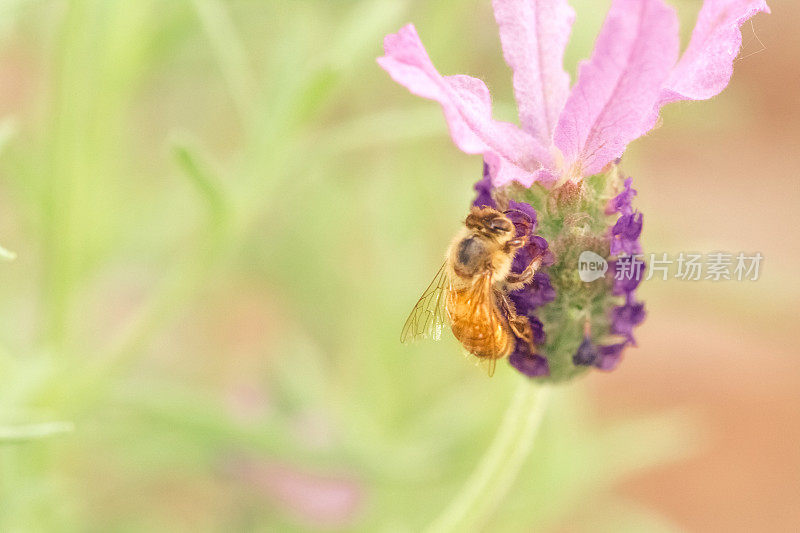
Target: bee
{"type": "Point", "coordinates": [470, 291]}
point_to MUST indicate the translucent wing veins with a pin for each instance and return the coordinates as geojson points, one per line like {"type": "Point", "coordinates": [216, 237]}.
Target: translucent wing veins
{"type": "Point", "coordinates": [427, 317]}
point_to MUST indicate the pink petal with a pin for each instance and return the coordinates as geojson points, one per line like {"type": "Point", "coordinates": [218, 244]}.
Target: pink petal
{"type": "Point", "coordinates": [467, 107]}
{"type": "Point", "coordinates": [502, 173]}
{"type": "Point", "coordinates": [706, 66]}
{"type": "Point", "coordinates": [534, 34]}
{"type": "Point", "coordinates": [618, 86]}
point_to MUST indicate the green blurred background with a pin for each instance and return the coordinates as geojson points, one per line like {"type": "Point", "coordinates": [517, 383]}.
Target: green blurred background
{"type": "Point", "coordinates": [223, 212]}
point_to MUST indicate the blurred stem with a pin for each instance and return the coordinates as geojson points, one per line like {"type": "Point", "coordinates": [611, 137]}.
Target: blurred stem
{"type": "Point", "coordinates": [93, 80]}
{"type": "Point", "coordinates": [497, 470]}
{"type": "Point", "coordinates": [177, 286]}
{"type": "Point", "coordinates": [62, 198]}
{"type": "Point", "coordinates": [231, 54]}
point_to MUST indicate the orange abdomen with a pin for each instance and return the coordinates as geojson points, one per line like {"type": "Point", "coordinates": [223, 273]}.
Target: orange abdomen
{"type": "Point", "coordinates": [479, 326]}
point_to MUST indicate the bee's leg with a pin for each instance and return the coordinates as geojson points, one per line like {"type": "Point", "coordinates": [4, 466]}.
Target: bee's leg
{"type": "Point", "coordinates": [522, 278]}
{"type": "Point", "coordinates": [514, 244]}
{"type": "Point", "coordinates": [517, 281]}
{"type": "Point", "coordinates": [522, 330]}
{"type": "Point", "coordinates": [519, 324]}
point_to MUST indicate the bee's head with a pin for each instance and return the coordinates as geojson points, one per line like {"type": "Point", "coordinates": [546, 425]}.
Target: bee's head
{"type": "Point", "coordinates": [490, 223]}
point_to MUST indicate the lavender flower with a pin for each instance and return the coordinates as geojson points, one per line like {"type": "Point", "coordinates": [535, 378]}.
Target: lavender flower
{"type": "Point", "coordinates": [560, 167]}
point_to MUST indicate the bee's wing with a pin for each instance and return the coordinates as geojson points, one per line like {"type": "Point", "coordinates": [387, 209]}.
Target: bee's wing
{"type": "Point", "coordinates": [428, 316]}
{"type": "Point", "coordinates": [486, 363]}
{"type": "Point", "coordinates": [484, 311]}
{"type": "Point", "coordinates": [489, 366]}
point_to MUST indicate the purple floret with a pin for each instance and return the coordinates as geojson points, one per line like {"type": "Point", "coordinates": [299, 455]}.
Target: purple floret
{"type": "Point", "coordinates": [626, 317]}
{"type": "Point", "coordinates": [587, 353]}
{"type": "Point", "coordinates": [531, 364]}
{"type": "Point", "coordinates": [622, 203]}
{"type": "Point", "coordinates": [535, 248]}
{"type": "Point", "coordinates": [536, 294]}
{"type": "Point", "coordinates": [625, 234]}
{"type": "Point", "coordinates": [484, 190]}
{"type": "Point", "coordinates": [610, 356]}
{"type": "Point", "coordinates": [527, 209]}
{"type": "Point", "coordinates": [627, 276]}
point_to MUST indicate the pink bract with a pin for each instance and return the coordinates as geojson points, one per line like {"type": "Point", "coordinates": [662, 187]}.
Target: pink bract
{"type": "Point", "coordinates": [566, 134]}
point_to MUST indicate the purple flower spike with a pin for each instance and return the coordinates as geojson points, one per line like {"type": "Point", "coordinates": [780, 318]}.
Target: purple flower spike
{"type": "Point", "coordinates": [624, 237]}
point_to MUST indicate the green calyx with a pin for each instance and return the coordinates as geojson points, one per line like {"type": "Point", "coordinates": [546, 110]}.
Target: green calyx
{"type": "Point", "coordinates": [572, 218]}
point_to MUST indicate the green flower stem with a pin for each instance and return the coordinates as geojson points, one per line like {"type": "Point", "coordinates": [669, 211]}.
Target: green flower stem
{"type": "Point", "coordinates": [497, 470]}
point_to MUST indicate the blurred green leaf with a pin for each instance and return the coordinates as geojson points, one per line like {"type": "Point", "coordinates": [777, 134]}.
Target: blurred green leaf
{"type": "Point", "coordinates": [230, 52]}
{"type": "Point", "coordinates": [20, 434]}
{"type": "Point", "coordinates": [190, 162]}
{"type": "Point", "coordinates": [8, 129]}
{"type": "Point", "coordinates": [8, 255]}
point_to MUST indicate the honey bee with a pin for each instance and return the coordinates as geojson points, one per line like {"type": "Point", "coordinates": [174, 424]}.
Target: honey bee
{"type": "Point", "coordinates": [470, 291]}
